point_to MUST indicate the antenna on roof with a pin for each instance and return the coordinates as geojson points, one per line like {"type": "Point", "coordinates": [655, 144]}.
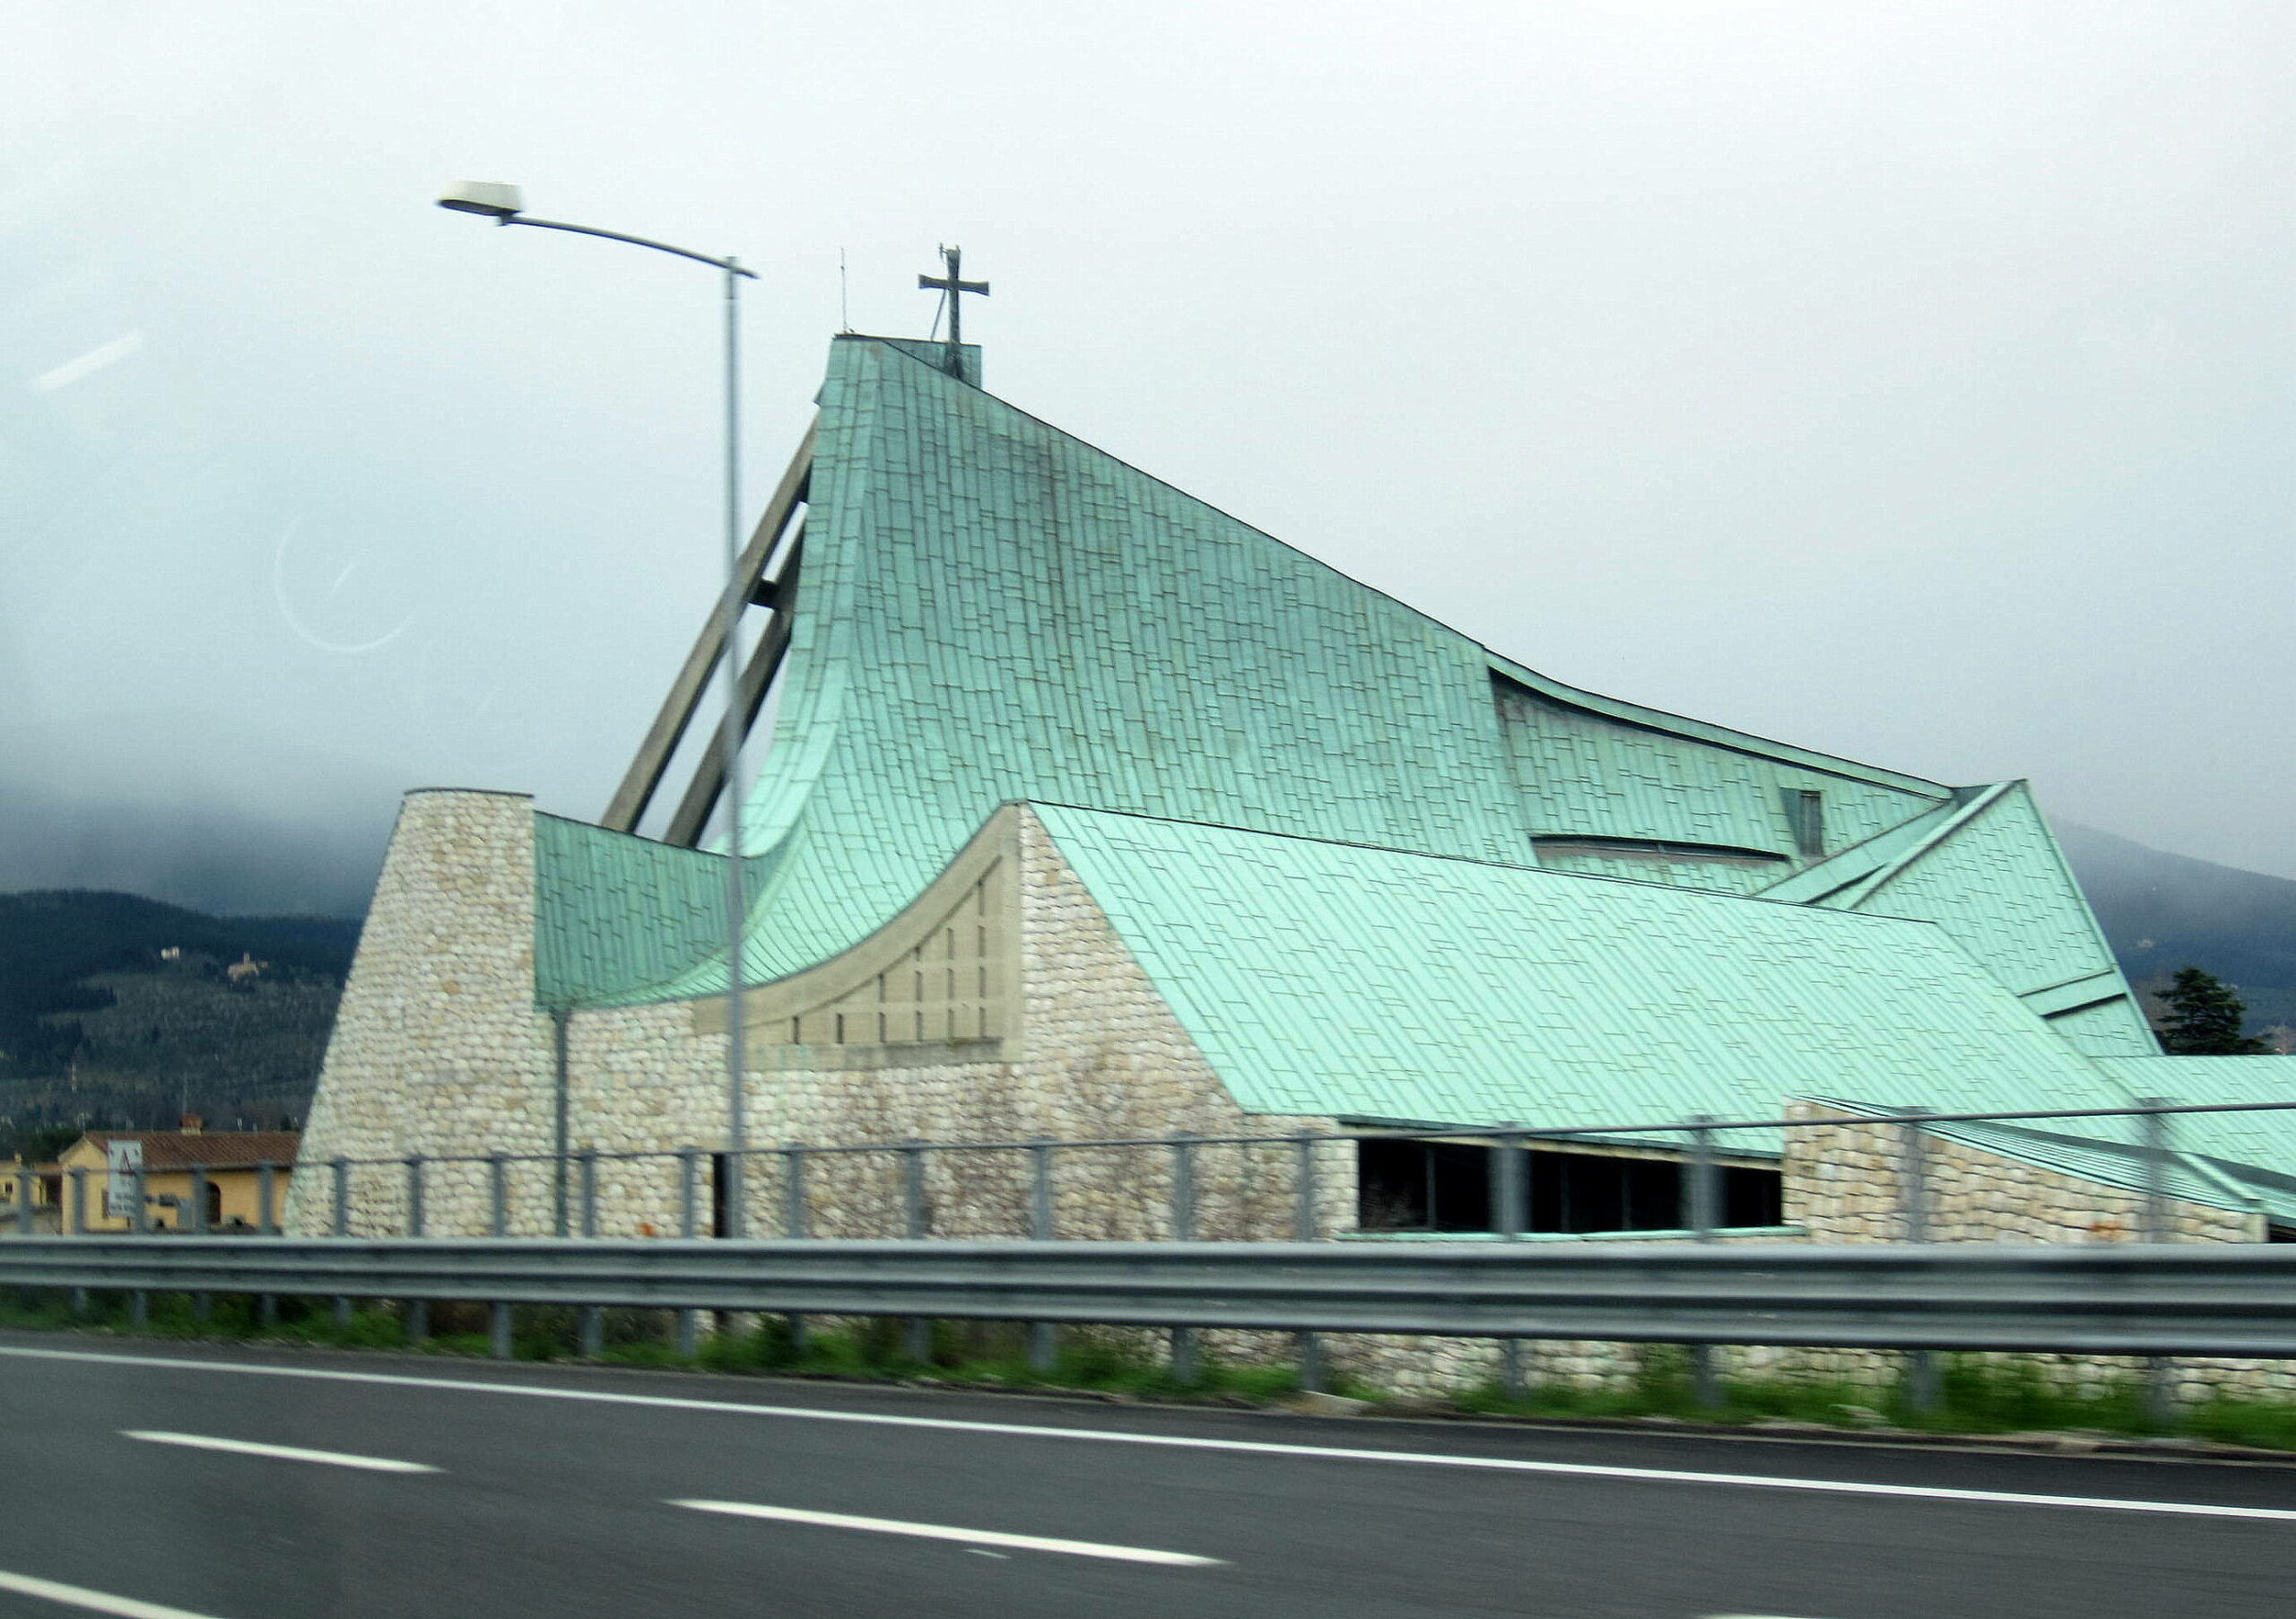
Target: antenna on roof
{"type": "Point", "coordinates": [952, 288]}
{"type": "Point", "coordinates": [844, 296]}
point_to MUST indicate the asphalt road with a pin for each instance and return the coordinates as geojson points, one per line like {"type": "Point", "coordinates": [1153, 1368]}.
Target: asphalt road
{"type": "Point", "coordinates": [439, 1487]}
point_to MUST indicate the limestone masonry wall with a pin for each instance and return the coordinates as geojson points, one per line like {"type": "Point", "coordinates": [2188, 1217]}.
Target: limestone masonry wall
{"type": "Point", "coordinates": [437, 1046]}
{"type": "Point", "coordinates": [440, 1049]}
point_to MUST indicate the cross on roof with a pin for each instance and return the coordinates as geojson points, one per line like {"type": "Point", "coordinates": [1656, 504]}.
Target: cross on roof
{"type": "Point", "coordinates": [955, 286]}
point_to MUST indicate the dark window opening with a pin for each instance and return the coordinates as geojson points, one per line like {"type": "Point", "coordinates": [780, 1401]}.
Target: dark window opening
{"type": "Point", "coordinates": [1752, 1197]}
{"type": "Point", "coordinates": [1422, 1186]}
{"type": "Point", "coordinates": [1651, 851]}
{"type": "Point", "coordinates": [1806, 815]}
{"type": "Point", "coordinates": [212, 1201]}
{"type": "Point", "coordinates": [721, 1172]}
{"type": "Point", "coordinates": [2277, 1232]}
{"type": "Point", "coordinates": [1437, 1186]}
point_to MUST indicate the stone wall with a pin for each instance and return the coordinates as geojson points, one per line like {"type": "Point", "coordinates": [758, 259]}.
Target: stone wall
{"type": "Point", "coordinates": [1846, 1177]}
{"type": "Point", "coordinates": [1846, 1181]}
{"type": "Point", "coordinates": [437, 1047]}
{"type": "Point", "coordinates": [440, 1049]}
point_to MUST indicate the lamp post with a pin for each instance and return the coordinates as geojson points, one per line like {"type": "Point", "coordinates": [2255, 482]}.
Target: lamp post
{"type": "Point", "coordinates": [505, 206]}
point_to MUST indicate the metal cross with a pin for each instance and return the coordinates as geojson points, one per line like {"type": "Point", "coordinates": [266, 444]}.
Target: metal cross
{"type": "Point", "coordinates": [955, 284]}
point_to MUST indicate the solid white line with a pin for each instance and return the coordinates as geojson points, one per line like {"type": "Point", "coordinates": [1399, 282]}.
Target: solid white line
{"type": "Point", "coordinates": [292, 1453]}
{"type": "Point", "coordinates": [1493, 1464]}
{"type": "Point", "coordinates": [935, 1531]}
{"type": "Point", "coordinates": [94, 1602]}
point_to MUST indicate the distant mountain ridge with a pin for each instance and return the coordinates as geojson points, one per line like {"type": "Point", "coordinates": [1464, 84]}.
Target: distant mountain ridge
{"type": "Point", "coordinates": [2162, 912]}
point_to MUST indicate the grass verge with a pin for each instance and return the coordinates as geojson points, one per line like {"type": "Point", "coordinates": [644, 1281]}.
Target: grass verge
{"type": "Point", "coordinates": [1977, 1394]}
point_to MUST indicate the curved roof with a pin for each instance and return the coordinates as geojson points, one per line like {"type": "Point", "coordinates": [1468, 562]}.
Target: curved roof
{"type": "Point", "coordinates": [992, 609]}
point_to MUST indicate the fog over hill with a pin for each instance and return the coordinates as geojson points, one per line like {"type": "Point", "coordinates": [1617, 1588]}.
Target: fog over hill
{"type": "Point", "coordinates": [232, 823]}
{"type": "Point", "coordinates": [2162, 912]}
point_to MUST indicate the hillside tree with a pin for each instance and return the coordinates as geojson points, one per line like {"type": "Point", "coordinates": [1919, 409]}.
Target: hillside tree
{"type": "Point", "coordinates": [2203, 1018]}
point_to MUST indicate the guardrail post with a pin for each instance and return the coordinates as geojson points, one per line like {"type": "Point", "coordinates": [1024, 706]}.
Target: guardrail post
{"type": "Point", "coordinates": [500, 1334]}
{"type": "Point", "coordinates": [1922, 1389]}
{"type": "Point", "coordinates": [793, 1222]}
{"type": "Point", "coordinates": [689, 1217]}
{"type": "Point", "coordinates": [1307, 1228]}
{"type": "Point", "coordinates": [79, 1229]}
{"type": "Point", "coordinates": [139, 1299]}
{"type": "Point", "coordinates": [1510, 1219]}
{"type": "Point", "coordinates": [418, 1311]}
{"type": "Point", "coordinates": [2155, 1212]}
{"type": "Point", "coordinates": [1507, 1218]}
{"type": "Point", "coordinates": [590, 1317]}
{"type": "Point", "coordinates": [341, 1227]}
{"type": "Point", "coordinates": [25, 1225]}
{"type": "Point", "coordinates": [203, 1303]}
{"type": "Point", "coordinates": [1044, 1347]}
{"type": "Point", "coordinates": [266, 1223]}
{"type": "Point", "coordinates": [1706, 1386]}
{"type": "Point", "coordinates": [913, 1225]}
{"type": "Point", "coordinates": [2160, 1374]}
{"type": "Point", "coordinates": [1184, 1358]}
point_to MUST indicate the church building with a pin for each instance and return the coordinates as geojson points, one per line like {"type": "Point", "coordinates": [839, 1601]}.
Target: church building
{"type": "Point", "coordinates": [1086, 811]}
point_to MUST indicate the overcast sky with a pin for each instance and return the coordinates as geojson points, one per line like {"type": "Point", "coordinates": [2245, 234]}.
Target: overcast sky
{"type": "Point", "coordinates": [1911, 382]}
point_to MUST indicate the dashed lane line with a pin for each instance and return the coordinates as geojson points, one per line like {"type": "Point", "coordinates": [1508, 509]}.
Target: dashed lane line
{"type": "Point", "coordinates": [292, 1453]}
{"type": "Point", "coordinates": [1234, 1447]}
{"type": "Point", "coordinates": [939, 1531]}
{"type": "Point", "coordinates": [92, 1602]}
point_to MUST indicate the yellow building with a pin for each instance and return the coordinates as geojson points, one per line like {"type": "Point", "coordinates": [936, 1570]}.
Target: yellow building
{"type": "Point", "coordinates": [46, 1187]}
{"type": "Point", "coordinates": [190, 1179]}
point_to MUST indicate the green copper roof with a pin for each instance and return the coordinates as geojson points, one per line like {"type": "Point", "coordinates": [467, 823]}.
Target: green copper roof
{"type": "Point", "coordinates": [613, 911]}
{"type": "Point", "coordinates": [2257, 1151]}
{"type": "Point", "coordinates": [1582, 774]}
{"type": "Point", "coordinates": [1988, 871]}
{"type": "Point", "coordinates": [1323, 979]}
{"type": "Point", "coordinates": [992, 610]}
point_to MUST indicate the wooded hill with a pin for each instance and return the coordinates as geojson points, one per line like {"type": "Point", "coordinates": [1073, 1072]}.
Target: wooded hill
{"type": "Point", "coordinates": [118, 1010]}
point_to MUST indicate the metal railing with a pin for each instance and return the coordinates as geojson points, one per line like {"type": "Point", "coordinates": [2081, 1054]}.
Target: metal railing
{"type": "Point", "coordinates": [1055, 1199]}
{"type": "Point", "coordinates": [922, 1189]}
{"type": "Point", "coordinates": [2223, 1299]}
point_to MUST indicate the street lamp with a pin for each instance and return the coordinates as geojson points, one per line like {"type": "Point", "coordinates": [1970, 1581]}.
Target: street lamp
{"type": "Point", "coordinates": [506, 205]}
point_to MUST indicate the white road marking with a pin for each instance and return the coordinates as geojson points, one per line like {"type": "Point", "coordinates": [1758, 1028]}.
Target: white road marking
{"type": "Point", "coordinates": [94, 1602]}
{"type": "Point", "coordinates": [938, 1531]}
{"type": "Point", "coordinates": [1492, 1464]}
{"type": "Point", "coordinates": [292, 1453]}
